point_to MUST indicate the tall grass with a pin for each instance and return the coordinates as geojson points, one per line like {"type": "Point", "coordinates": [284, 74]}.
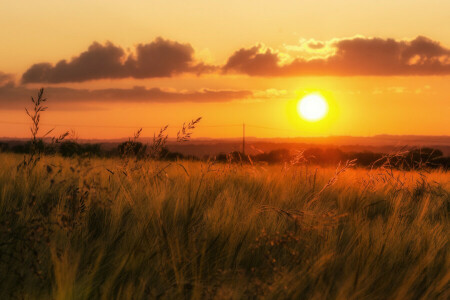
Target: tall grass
{"type": "Point", "coordinates": [101, 229]}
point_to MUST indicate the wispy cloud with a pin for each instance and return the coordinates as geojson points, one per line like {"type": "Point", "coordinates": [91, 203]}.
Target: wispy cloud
{"type": "Point", "coordinates": [6, 79]}
{"type": "Point", "coordinates": [13, 97]}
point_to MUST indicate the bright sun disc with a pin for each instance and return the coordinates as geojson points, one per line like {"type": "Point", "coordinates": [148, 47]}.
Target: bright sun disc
{"type": "Point", "coordinates": [312, 107]}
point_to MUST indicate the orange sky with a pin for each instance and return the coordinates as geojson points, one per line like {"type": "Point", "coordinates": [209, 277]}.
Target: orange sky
{"type": "Point", "coordinates": [383, 66]}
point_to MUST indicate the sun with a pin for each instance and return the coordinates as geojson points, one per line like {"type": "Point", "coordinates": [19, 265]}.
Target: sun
{"type": "Point", "coordinates": [312, 107]}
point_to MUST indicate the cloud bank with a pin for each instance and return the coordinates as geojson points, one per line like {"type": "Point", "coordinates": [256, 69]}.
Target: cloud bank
{"type": "Point", "coordinates": [352, 57]}
{"type": "Point", "coordinates": [359, 56]}
{"type": "Point", "coordinates": [160, 58]}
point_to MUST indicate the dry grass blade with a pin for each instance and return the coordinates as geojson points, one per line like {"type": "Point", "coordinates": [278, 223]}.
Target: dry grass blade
{"type": "Point", "coordinates": [339, 170]}
{"type": "Point", "coordinates": [60, 138]}
{"type": "Point", "coordinates": [324, 220]}
{"type": "Point", "coordinates": [185, 133]}
{"type": "Point", "coordinates": [37, 145]}
{"type": "Point", "coordinates": [158, 143]}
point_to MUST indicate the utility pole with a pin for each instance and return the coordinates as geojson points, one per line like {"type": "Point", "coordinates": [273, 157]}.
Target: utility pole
{"type": "Point", "coordinates": [243, 138]}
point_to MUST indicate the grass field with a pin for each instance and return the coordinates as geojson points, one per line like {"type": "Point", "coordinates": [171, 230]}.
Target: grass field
{"type": "Point", "coordinates": [104, 229]}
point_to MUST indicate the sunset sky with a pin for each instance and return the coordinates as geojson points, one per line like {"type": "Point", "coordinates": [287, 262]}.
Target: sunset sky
{"type": "Point", "coordinates": [110, 67]}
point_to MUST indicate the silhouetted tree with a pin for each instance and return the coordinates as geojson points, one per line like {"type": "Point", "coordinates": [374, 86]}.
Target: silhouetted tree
{"type": "Point", "coordinates": [424, 157]}
{"type": "Point", "coordinates": [274, 156]}
{"type": "Point", "coordinates": [4, 147]}
{"type": "Point", "coordinates": [365, 158]}
{"type": "Point", "coordinates": [131, 148]}
{"type": "Point", "coordinates": [92, 149]}
{"type": "Point", "coordinates": [172, 156]}
{"type": "Point", "coordinates": [69, 149]}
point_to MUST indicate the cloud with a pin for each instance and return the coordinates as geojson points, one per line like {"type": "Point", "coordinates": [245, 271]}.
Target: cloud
{"type": "Point", "coordinates": [6, 79]}
{"type": "Point", "coordinates": [98, 62]}
{"type": "Point", "coordinates": [316, 45]}
{"type": "Point", "coordinates": [163, 58]}
{"type": "Point", "coordinates": [13, 97]}
{"type": "Point", "coordinates": [357, 56]}
{"type": "Point", "coordinates": [351, 57]}
{"type": "Point", "coordinates": [160, 58]}
{"type": "Point", "coordinates": [254, 62]}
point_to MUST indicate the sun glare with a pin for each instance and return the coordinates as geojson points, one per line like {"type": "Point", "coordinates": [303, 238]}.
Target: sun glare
{"type": "Point", "coordinates": [312, 107]}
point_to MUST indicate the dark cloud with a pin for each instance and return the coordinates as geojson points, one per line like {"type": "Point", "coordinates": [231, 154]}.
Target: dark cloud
{"type": "Point", "coordinates": [13, 97]}
{"type": "Point", "coordinates": [160, 58]}
{"type": "Point", "coordinates": [98, 62]}
{"type": "Point", "coordinates": [352, 57]}
{"type": "Point", "coordinates": [163, 58]}
{"type": "Point", "coordinates": [6, 79]}
{"type": "Point", "coordinates": [316, 45]}
{"type": "Point", "coordinates": [253, 62]}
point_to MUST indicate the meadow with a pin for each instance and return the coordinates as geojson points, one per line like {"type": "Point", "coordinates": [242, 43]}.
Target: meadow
{"type": "Point", "coordinates": [99, 228]}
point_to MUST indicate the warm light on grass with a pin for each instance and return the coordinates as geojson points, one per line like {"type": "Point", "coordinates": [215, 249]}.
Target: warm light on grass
{"type": "Point", "coordinates": [312, 107]}
{"type": "Point", "coordinates": [114, 231]}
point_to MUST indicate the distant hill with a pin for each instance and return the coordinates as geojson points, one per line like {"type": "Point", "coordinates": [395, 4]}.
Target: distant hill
{"type": "Point", "coordinates": [210, 146]}
{"type": "Point", "coordinates": [382, 143]}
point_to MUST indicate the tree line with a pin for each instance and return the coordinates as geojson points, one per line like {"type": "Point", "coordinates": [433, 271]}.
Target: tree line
{"type": "Point", "coordinates": [430, 157]}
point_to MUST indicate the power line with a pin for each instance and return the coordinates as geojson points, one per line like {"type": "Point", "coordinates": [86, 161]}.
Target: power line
{"type": "Point", "coordinates": [153, 127]}
{"type": "Point", "coordinates": [78, 125]}
{"type": "Point", "coordinates": [229, 125]}
{"type": "Point", "coordinates": [108, 126]}
{"type": "Point", "coordinates": [272, 128]}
